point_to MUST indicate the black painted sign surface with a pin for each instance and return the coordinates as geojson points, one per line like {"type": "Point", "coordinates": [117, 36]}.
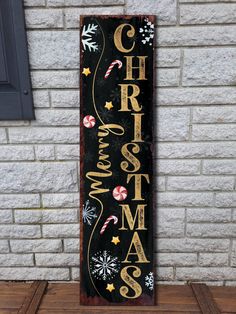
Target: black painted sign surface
{"type": "Point", "coordinates": [116, 160]}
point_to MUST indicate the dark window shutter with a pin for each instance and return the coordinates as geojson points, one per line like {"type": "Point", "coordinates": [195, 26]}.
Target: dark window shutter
{"type": "Point", "coordinates": [16, 102]}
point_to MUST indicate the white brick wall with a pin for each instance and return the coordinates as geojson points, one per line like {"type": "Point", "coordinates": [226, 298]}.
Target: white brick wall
{"type": "Point", "coordinates": [196, 167]}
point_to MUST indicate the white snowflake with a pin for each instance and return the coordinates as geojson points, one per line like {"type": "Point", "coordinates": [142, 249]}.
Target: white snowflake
{"type": "Point", "coordinates": [149, 281]}
{"type": "Point", "coordinates": [147, 32]}
{"type": "Point", "coordinates": [88, 213]}
{"type": "Point", "coordinates": [104, 266]}
{"type": "Point", "coordinates": [87, 42]}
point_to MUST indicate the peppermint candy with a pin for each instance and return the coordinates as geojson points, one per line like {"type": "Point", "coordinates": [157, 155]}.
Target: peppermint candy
{"type": "Point", "coordinates": [120, 193]}
{"type": "Point", "coordinates": [89, 121]}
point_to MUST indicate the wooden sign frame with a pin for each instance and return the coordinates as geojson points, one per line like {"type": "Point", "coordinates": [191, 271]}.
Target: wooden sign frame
{"type": "Point", "coordinates": [116, 167]}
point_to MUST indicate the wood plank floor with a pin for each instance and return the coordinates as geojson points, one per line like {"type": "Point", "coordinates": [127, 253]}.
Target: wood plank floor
{"type": "Point", "coordinates": [62, 298]}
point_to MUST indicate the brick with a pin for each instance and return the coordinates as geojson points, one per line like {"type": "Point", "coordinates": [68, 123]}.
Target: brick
{"type": "Point", "coordinates": [44, 135]}
{"type": "Point", "coordinates": [84, 3]}
{"type": "Point", "coordinates": [31, 3]}
{"type": "Point", "coordinates": [19, 201]}
{"type": "Point", "coordinates": [38, 177]}
{"type": "Point", "coordinates": [165, 273]}
{"type": "Point", "coordinates": [170, 222]}
{"type": "Point", "coordinates": [233, 256]}
{"type": "Point", "coordinates": [205, 273]}
{"type": "Point", "coordinates": [196, 96]}
{"type": "Point", "coordinates": [4, 248]}
{"type": "Point", "coordinates": [3, 138]}
{"type": "Point", "coordinates": [7, 123]}
{"type": "Point", "coordinates": [230, 283]}
{"type": "Point", "coordinates": [55, 79]}
{"type": "Point", "coordinates": [67, 152]}
{"type": "Point", "coordinates": [5, 216]}
{"type": "Point", "coordinates": [168, 57]}
{"type": "Point", "coordinates": [60, 200]}
{"type": "Point", "coordinates": [167, 77]}
{"type": "Point", "coordinates": [37, 245]}
{"type": "Point", "coordinates": [16, 152]}
{"type": "Point", "coordinates": [72, 16]}
{"type": "Point", "coordinates": [17, 231]}
{"type": "Point", "coordinates": [57, 259]}
{"type": "Point", "coordinates": [197, 150]}
{"type": "Point", "coordinates": [208, 13]}
{"type": "Point", "coordinates": [160, 183]}
{"type": "Point", "coordinates": [214, 230]}
{"type": "Point", "coordinates": [234, 216]}
{"type": "Point", "coordinates": [41, 99]}
{"type": "Point", "coordinates": [165, 10]}
{"type": "Point", "coordinates": [200, 183]}
{"type": "Point", "coordinates": [178, 167]}
{"type": "Point", "coordinates": [64, 98]}
{"type": "Point", "coordinates": [54, 49]}
{"type": "Point", "coordinates": [55, 3]}
{"type": "Point", "coordinates": [181, 199]}
{"type": "Point", "coordinates": [41, 18]}
{"type": "Point", "coordinates": [46, 216]}
{"type": "Point", "coordinates": [75, 273]}
{"type": "Point", "coordinates": [209, 66]}
{"type": "Point", "coordinates": [219, 166]}
{"type": "Point", "coordinates": [71, 245]}
{"type": "Point", "coordinates": [177, 259]}
{"type": "Point", "coordinates": [173, 124]}
{"type": "Point", "coordinates": [172, 282]}
{"type": "Point", "coordinates": [197, 36]}
{"type": "Point", "coordinates": [88, 3]}
{"type": "Point", "coordinates": [193, 245]}
{"type": "Point", "coordinates": [16, 260]}
{"type": "Point", "coordinates": [208, 215]}
{"type": "Point", "coordinates": [198, 1]}
{"type": "Point", "coordinates": [60, 230]}
{"type": "Point", "coordinates": [213, 259]}
{"type": "Point", "coordinates": [217, 114]}
{"type": "Point", "coordinates": [44, 152]}
{"type": "Point", "coordinates": [213, 132]}
{"type": "Point", "coordinates": [55, 117]}
{"type": "Point", "coordinates": [226, 199]}
{"type": "Point", "coordinates": [34, 273]}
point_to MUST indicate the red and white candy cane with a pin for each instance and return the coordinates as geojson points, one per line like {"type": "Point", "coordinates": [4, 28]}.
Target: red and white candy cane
{"type": "Point", "coordinates": [107, 222]}
{"type": "Point", "coordinates": [112, 66]}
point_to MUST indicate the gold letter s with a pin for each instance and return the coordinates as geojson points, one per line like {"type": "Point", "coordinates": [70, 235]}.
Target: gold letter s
{"type": "Point", "coordinates": [130, 282]}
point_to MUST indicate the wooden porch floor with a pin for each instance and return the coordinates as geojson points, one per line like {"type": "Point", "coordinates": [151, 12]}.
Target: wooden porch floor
{"type": "Point", "coordinates": [60, 298]}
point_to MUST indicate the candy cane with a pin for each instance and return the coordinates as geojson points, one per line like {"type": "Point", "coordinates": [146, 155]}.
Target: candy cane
{"type": "Point", "coordinates": [112, 66]}
{"type": "Point", "coordinates": [107, 222]}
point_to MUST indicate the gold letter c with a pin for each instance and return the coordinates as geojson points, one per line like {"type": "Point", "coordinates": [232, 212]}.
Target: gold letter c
{"type": "Point", "coordinates": [118, 37]}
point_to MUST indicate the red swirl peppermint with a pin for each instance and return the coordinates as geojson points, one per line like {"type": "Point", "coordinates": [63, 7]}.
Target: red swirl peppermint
{"type": "Point", "coordinates": [120, 193]}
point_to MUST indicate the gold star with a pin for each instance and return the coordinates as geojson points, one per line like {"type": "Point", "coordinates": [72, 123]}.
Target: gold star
{"type": "Point", "coordinates": [108, 105]}
{"type": "Point", "coordinates": [115, 240]}
{"type": "Point", "coordinates": [86, 71]}
{"type": "Point", "coordinates": [110, 287]}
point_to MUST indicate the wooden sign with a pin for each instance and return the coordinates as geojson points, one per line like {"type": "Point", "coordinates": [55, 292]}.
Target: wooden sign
{"type": "Point", "coordinates": [116, 160]}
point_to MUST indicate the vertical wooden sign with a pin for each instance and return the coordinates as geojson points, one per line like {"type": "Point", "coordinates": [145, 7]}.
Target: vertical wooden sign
{"type": "Point", "coordinates": [116, 160]}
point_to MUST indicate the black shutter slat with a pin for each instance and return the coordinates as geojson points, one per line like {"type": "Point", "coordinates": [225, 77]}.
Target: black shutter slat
{"type": "Point", "coordinates": [3, 72]}
{"type": "Point", "coordinates": [16, 102]}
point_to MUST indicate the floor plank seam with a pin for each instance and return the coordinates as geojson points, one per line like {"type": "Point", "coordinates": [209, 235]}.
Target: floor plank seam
{"type": "Point", "coordinates": [32, 301]}
{"type": "Point", "coordinates": [204, 298]}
